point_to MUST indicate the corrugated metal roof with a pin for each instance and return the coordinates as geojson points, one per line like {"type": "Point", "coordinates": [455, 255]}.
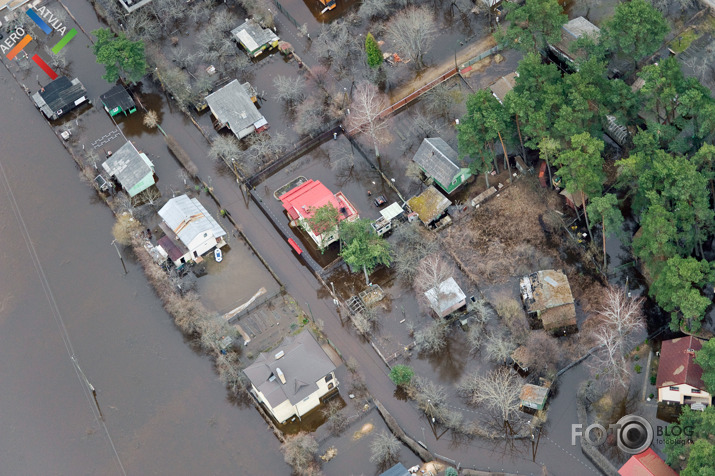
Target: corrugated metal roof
{"type": "Point", "coordinates": [503, 85]}
{"type": "Point", "coordinates": [128, 166]}
{"type": "Point", "coordinates": [437, 158]}
{"type": "Point", "coordinates": [391, 212]}
{"type": "Point", "coordinates": [187, 218]}
{"type": "Point", "coordinates": [303, 363]}
{"type": "Point", "coordinates": [252, 36]}
{"type": "Point", "coordinates": [61, 94]}
{"type": "Point", "coordinates": [232, 105]}
{"type": "Point", "coordinates": [311, 195]}
{"type": "Point", "coordinates": [448, 295]}
{"type": "Point", "coordinates": [533, 394]}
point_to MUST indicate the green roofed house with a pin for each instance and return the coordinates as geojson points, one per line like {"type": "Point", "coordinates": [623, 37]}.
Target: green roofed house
{"type": "Point", "coordinates": [132, 169]}
{"type": "Point", "coordinates": [438, 161]}
{"type": "Point", "coordinates": [117, 100]}
{"type": "Point", "coordinates": [254, 38]}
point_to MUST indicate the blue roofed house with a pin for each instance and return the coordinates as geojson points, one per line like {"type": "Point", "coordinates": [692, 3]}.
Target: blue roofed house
{"type": "Point", "coordinates": [132, 169]}
{"type": "Point", "coordinates": [439, 162]}
{"type": "Point", "coordinates": [190, 230]}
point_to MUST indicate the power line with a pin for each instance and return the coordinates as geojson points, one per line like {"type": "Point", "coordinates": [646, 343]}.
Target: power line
{"type": "Point", "coordinates": [56, 314]}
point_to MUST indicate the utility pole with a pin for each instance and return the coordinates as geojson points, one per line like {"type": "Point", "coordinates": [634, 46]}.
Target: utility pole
{"type": "Point", "coordinates": [120, 256]}
{"type": "Point", "coordinates": [89, 385]}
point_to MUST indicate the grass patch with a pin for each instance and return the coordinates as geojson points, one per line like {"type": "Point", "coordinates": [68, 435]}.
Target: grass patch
{"type": "Point", "coordinates": [682, 42]}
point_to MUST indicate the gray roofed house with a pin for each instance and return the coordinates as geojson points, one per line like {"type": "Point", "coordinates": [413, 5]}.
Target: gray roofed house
{"type": "Point", "coordinates": [233, 107]}
{"type": "Point", "coordinates": [291, 380]}
{"type": "Point", "coordinates": [446, 298]}
{"type": "Point", "coordinates": [187, 221]}
{"type": "Point", "coordinates": [117, 100]}
{"type": "Point", "coordinates": [133, 169]}
{"type": "Point", "coordinates": [503, 85]}
{"type": "Point", "coordinates": [437, 160]}
{"type": "Point", "coordinates": [59, 97]}
{"type": "Point", "coordinates": [397, 470]}
{"type": "Point", "coordinates": [254, 38]}
{"type": "Point", "coordinates": [131, 5]}
{"type": "Point", "coordinates": [570, 32]}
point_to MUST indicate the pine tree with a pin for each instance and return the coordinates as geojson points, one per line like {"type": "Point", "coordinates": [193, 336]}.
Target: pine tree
{"type": "Point", "coordinates": [373, 52]}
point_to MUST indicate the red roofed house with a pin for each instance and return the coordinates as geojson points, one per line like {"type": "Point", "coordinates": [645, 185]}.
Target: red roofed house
{"type": "Point", "coordinates": [679, 377]}
{"type": "Point", "coordinates": [302, 201]}
{"type": "Point", "coordinates": [646, 464]}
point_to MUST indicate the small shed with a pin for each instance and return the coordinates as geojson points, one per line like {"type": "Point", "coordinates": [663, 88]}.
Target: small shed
{"type": "Point", "coordinates": [429, 205]}
{"type": "Point", "coordinates": [59, 97]}
{"type": "Point", "coordinates": [533, 396]}
{"type": "Point", "coordinates": [574, 201]}
{"type": "Point", "coordinates": [397, 470]}
{"type": "Point", "coordinates": [254, 38]}
{"type": "Point", "coordinates": [233, 107]}
{"type": "Point", "coordinates": [117, 101]}
{"type": "Point", "coordinates": [446, 298]}
{"type": "Point", "coordinates": [570, 32]}
{"type": "Point", "coordinates": [132, 169]}
{"type": "Point", "coordinates": [547, 295]}
{"type": "Point", "coordinates": [438, 161]}
{"type": "Point", "coordinates": [384, 224]}
{"type": "Point", "coordinates": [503, 85]}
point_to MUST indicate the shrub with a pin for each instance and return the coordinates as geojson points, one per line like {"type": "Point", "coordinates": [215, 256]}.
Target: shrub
{"type": "Point", "coordinates": [401, 375]}
{"type": "Point", "coordinates": [652, 379]}
{"type": "Point", "coordinates": [638, 369]}
{"type": "Point", "coordinates": [451, 472]}
{"type": "Point", "coordinates": [651, 395]}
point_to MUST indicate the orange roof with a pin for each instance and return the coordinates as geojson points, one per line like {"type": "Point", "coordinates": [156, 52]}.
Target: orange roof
{"type": "Point", "coordinates": [304, 199]}
{"type": "Point", "coordinates": [646, 464]}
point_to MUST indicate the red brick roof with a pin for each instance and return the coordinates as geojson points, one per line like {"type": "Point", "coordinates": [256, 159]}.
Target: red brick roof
{"type": "Point", "coordinates": [311, 195]}
{"type": "Point", "coordinates": [676, 363]}
{"type": "Point", "coordinates": [646, 464]}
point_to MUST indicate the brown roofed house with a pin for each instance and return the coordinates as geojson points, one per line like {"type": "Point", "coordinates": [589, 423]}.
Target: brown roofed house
{"type": "Point", "coordinates": [679, 377]}
{"type": "Point", "coordinates": [647, 463]}
{"type": "Point", "coordinates": [547, 295]}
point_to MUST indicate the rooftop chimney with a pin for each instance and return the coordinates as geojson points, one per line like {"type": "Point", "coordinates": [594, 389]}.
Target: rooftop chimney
{"type": "Point", "coordinates": [282, 377]}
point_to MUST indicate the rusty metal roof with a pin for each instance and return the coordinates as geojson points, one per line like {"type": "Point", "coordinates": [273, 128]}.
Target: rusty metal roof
{"type": "Point", "coordinates": [533, 394]}
{"type": "Point", "coordinates": [429, 205]}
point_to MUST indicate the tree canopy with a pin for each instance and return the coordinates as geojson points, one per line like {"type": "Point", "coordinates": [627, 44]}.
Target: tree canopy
{"type": "Point", "coordinates": [362, 247]}
{"type": "Point", "coordinates": [705, 358]}
{"type": "Point", "coordinates": [373, 51]}
{"type": "Point", "coordinates": [677, 289]}
{"type": "Point", "coordinates": [533, 25]}
{"type": "Point", "coordinates": [121, 57]}
{"type": "Point", "coordinates": [636, 30]}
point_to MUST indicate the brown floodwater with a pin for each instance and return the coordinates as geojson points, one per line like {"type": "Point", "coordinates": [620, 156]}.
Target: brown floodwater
{"type": "Point", "coordinates": [62, 293]}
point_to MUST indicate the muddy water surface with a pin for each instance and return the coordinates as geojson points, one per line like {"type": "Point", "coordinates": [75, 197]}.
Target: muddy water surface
{"type": "Point", "coordinates": [164, 410]}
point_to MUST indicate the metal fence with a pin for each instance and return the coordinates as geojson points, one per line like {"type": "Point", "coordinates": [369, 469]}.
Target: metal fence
{"type": "Point", "coordinates": [285, 12]}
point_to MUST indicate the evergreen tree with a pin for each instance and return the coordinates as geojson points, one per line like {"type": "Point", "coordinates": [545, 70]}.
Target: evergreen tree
{"type": "Point", "coordinates": [373, 52]}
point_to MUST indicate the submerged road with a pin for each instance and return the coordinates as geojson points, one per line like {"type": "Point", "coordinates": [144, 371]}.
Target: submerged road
{"type": "Point", "coordinates": [171, 405]}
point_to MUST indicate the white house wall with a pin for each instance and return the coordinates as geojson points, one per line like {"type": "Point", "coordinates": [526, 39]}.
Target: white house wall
{"type": "Point", "coordinates": [201, 245]}
{"type": "Point", "coordinates": [665, 394]}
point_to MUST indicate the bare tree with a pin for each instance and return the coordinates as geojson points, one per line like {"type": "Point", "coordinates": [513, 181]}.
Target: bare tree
{"type": "Point", "coordinates": [125, 228]}
{"type": "Point", "coordinates": [620, 321]}
{"type": "Point", "coordinates": [512, 312]}
{"type": "Point", "coordinates": [476, 337]}
{"type": "Point", "coordinates": [336, 42]}
{"type": "Point", "coordinates": [480, 310]}
{"type": "Point", "coordinates": [57, 60]}
{"type": "Point", "coordinates": [429, 396]}
{"type": "Point", "coordinates": [431, 272]}
{"type": "Point", "coordinates": [309, 116]}
{"type": "Point", "coordinates": [441, 99]}
{"type": "Point", "coordinates": [367, 105]}
{"type": "Point", "coordinates": [543, 353]}
{"type": "Point", "coordinates": [141, 26]}
{"type": "Point", "coordinates": [431, 338]}
{"type": "Point", "coordinates": [412, 245]}
{"type": "Point", "coordinates": [92, 158]}
{"type": "Point", "coordinates": [150, 196]}
{"type": "Point", "coordinates": [289, 89]}
{"type": "Point", "coordinates": [151, 119]}
{"type": "Point", "coordinates": [412, 32]}
{"type": "Point", "coordinates": [229, 372]}
{"type": "Point", "coordinates": [225, 148]}
{"type": "Point", "coordinates": [384, 448]}
{"type": "Point", "coordinates": [299, 451]}
{"type": "Point", "coordinates": [499, 346]}
{"type": "Point", "coordinates": [423, 126]}
{"type": "Point", "coordinates": [336, 420]}
{"type": "Point", "coordinates": [499, 390]}
{"type": "Point", "coordinates": [123, 203]}
{"type": "Point", "coordinates": [374, 8]}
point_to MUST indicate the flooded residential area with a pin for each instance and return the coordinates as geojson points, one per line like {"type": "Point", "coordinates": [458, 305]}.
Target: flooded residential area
{"type": "Point", "coordinates": [357, 237]}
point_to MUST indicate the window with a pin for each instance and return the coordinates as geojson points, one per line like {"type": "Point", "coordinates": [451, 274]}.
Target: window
{"type": "Point", "coordinates": [696, 390]}
{"type": "Point", "coordinates": [329, 377]}
{"type": "Point", "coordinates": [306, 398]}
{"type": "Point", "coordinates": [674, 389]}
{"type": "Point", "coordinates": [331, 385]}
